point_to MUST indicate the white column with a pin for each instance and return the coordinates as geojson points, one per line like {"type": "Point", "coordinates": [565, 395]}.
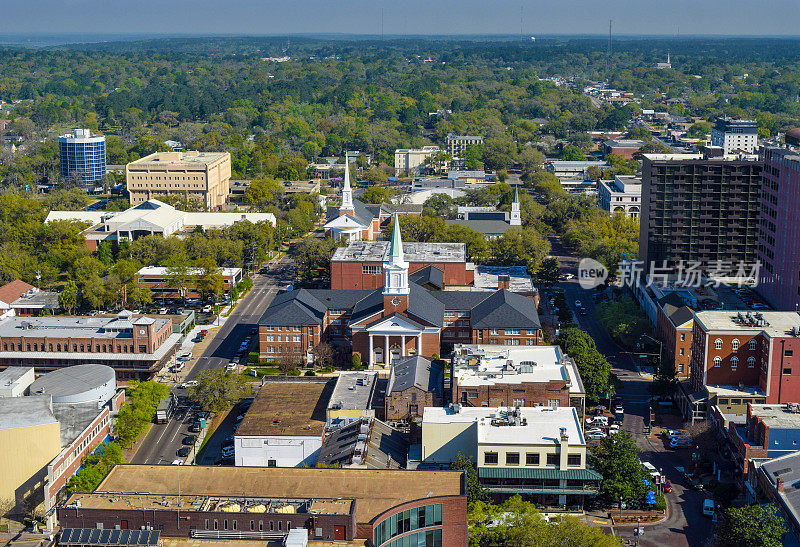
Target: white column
{"type": "Point", "coordinates": [403, 345]}
{"type": "Point", "coordinates": [386, 358]}
{"type": "Point", "coordinates": [419, 344]}
{"type": "Point", "coordinates": [371, 357]}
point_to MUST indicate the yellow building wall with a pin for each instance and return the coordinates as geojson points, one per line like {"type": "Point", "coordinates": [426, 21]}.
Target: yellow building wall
{"type": "Point", "coordinates": [24, 456]}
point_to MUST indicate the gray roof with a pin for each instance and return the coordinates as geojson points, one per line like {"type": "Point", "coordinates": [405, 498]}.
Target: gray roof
{"type": "Point", "coordinates": [368, 306]}
{"type": "Point", "coordinates": [69, 327]}
{"type": "Point", "coordinates": [353, 391]}
{"type": "Point", "coordinates": [386, 447]}
{"type": "Point", "coordinates": [787, 468]}
{"type": "Point", "coordinates": [461, 300]}
{"type": "Point", "coordinates": [361, 213]}
{"type": "Point", "coordinates": [490, 227]}
{"type": "Point", "coordinates": [430, 275]}
{"type": "Point", "coordinates": [73, 419]}
{"type": "Point", "coordinates": [73, 380]}
{"type": "Point", "coordinates": [413, 251]}
{"type": "Point", "coordinates": [422, 304]}
{"type": "Point", "coordinates": [26, 411]}
{"type": "Point", "coordinates": [296, 308]}
{"type": "Point", "coordinates": [415, 371]}
{"type": "Point", "coordinates": [505, 309]}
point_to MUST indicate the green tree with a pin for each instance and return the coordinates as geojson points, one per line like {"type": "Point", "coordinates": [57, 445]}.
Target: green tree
{"type": "Point", "coordinates": [594, 368]}
{"type": "Point", "coordinates": [752, 525]}
{"type": "Point", "coordinates": [616, 458]}
{"type": "Point", "coordinates": [217, 390]}
{"type": "Point", "coordinates": [623, 319]}
{"type": "Point", "coordinates": [549, 270]}
{"type": "Point", "coordinates": [475, 492]}
{"type": "Point", "coordinates": [473, 157]}
{"type": "Point", "coordinates": [375, 175]}
{"type": "Point", "coordinates": [68, 298]}
{"type": "Point", "coordinates": [572, 153]}
{"type": "Point", "coordinates": [210, 283]}
{"type": "Point", "coordinates": [313, 258]}
{"type": "Point", "coordinates": [377, 194]}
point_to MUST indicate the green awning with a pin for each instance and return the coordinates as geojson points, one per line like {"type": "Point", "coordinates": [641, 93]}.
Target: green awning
{"type": "Point", "coordinates": [538, 473]}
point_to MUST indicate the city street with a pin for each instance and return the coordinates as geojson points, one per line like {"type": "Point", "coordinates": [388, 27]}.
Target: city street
{"type": "Point", "coordinates": [684, 503]}
{"type": "Point", "coordinates": [163, 440]}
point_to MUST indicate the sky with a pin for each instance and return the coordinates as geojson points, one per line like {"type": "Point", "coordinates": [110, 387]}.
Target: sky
{"type": "Point", "coordinates": [433, 17]}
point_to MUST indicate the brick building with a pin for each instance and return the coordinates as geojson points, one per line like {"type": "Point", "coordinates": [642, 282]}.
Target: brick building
{"type": "Point", "coordinates": [157, 278]}
{"type": "Point", "coordinates": [674, 322]}
{"type": "Point", "coordinates": [402, 318]}
{"type": "Point", "coordinates": [748, 349]}
{"type": "Point", "coordinates": [414, 383]}
{"type": "Point", "coordinates": [626, 148]}
{"type": "Point", "coordinates": [136, 348]}
{"type": "Point", "coordinates": [377, 506]}
{"type": "Point", "coordinates": [499, 375]}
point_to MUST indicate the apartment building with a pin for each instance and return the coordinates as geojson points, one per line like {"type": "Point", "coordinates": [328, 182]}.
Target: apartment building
{"type": "Point", "coordinates": [457, 144]}
{"type": "Point", "coordinates": [697, 208]}
{"type": "Point", "coordinates": [536, 452]}
{"type": "Point", "coordinates": [735, 136]}
{"type": "Point", "coordinates": [623, 194]}
{"type": "Point", "coordinates": [488, 375]}
{"type": "Point", "coordinates": [778, 243]}
{"type": "Point", "coordinates": [411, 161]}
{"type": "Point", "coordinates": [204, 176]}
{"type": "Point", "coordinates": [136, 348]}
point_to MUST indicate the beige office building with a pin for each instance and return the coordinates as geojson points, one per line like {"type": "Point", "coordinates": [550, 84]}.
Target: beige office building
{"type": "Point", "coordinates": [410, 161]}
{"type": "Point", "coordinates": [199, 175]}
{"type": "Point", "coordinates": [457, 144]}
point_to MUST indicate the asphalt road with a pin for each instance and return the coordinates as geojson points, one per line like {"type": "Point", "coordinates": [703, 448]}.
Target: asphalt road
{"type": "Point", "coordinates": [685, 525]}
{"type": "Point", "coordinates": [163, 440]}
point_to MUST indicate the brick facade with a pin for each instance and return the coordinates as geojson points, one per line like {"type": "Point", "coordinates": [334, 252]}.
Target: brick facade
{"type": "Point", "coordinates": [409, 404]}
{"type": "Point", "coordinates": [521, 394]}
{"type": "Point", "coordinates": [677, 343]}
{"type": "Point", "coordinates": [349, 275]}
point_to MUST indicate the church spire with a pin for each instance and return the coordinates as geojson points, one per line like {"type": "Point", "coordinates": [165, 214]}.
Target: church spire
{"type": "Point", "coordinates": [515, 217]}
{"type": "Point", "coordinates": [394, 265]}
{"type": "Point", "coordinates": [396, 245]}
{"type": "Point", "coordinates": [347, 192]}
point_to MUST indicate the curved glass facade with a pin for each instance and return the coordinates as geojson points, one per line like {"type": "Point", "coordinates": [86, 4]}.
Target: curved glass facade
{"type": "Point", "coordinates": [84, 156]}
{"type": "Point", "coordinates": [408, 521]}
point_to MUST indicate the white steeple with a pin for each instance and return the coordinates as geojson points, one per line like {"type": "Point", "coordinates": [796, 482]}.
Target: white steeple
{"type": "Point", "coordinates": [515, 218]}
{"type": "Point", "coordinates": [395, 266]}
{"type": "Point", "coordinates": [347, 193]}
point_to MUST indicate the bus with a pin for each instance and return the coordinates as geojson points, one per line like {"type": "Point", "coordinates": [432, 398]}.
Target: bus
{"type": "Point", "coordinates": [166, 408]}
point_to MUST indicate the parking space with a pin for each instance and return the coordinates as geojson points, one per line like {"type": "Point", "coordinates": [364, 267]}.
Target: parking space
{"type": "Point", "coordinates": [218, 449]}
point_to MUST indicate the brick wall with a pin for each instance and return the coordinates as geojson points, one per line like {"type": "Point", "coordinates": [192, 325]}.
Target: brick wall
{"type": "Point", "coordinates": [351, 276]}
{"type": "Point", "coordinates": [409, 404]}
{"type": "Point", "coordinates": [505, 394]}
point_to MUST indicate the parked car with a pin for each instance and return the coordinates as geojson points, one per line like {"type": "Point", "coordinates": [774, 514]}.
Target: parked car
{"type": "Point", "coordinates": [677, 433]}
{"type": "Point", "coordinates": [208, 308]}
{"type": "Point", "coordinates": [185, 356]}
{"type": "Point", "coordinates": [162, 311]}
{"type": "Point", "coordinates": [189, 439]}
{"type": "Point", "coordinates": [189, 383]}
{"type": "Point", "coordinates": [680, 443]}
{"type": "Point", "coordinates": [619, 409]}
{"type": "Point", "coordinates": [578, 304]}
{"type": "Point", "coordinates": [195, 427]}
{"type": "Point", "coordinates": [708, 507]}
{"type": "Point", "coordinates": [232, 366]}
{"type": "Point", "coordinates": [184, 451]}
{"type": "Point", "coordinates": [177, 462]}
{"type": "Point", "coordinates": [177, 367]}
{"type": "Point", "coordinates": [666, 485]}
{"type": "Point", "coordinates": [613, 429]}
{"type": "Point", "coordinates": [597, 434]}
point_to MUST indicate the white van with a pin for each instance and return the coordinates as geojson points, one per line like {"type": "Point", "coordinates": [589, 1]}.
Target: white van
{"type": "Point", "coordinates": [708, 507]}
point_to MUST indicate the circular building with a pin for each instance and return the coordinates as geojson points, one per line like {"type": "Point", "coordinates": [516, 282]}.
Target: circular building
{"type": "Point", "coordinates": [793, 137]}
{"type": "Point", "coordinates": [77, 384]}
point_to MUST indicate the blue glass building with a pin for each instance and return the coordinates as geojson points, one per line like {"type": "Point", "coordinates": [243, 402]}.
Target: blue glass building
{"type": "Point", "coordinates": [85, 154]}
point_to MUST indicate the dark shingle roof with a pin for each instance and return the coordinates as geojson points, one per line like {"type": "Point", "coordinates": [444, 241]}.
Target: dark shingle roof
{"type": "Point", "coordinates": [422, 304]}
{"type": "Point", "coordinates": [298, 307]}
{"type": "Point", "coordinates": [676, 309]}
{"type": "Point", "coordinates": [505, 309]}
{"type": "Point", "coordinates": [361, 212]}
{"type": "Point", "coordinates": [415, 371]}
{"type": "Point", "coordinates": [368, 305]}
{"type": "Point", "coordinates": [461, 300]}
{"type": "Point", "coordinates": [483, 226]}
{"type": "Point", "coordinates": [429, 274]}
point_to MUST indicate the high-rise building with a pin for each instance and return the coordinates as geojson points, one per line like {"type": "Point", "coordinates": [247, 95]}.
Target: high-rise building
{"type": "Point", "coordinates": [699, 209]}
{"type": "Point", "coordinates": [778, 241]}
{"type": "Point", "coordinates": [735, 136]}
{"type": "Point", "coordinates": [202, 176]}
{"type": "Point", "coordinates": [457, 144]}
{"type": "Point", "coordinates": [83, 154]}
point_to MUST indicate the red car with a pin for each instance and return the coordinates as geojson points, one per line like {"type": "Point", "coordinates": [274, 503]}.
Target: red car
{"type": "Point", "coordinates": [666, 485]}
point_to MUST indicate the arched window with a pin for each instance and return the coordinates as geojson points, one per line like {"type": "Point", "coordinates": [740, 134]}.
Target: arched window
{"type": "Point", "coordinates": [752, 344]}
{"type": "Point", "coordinates": [735, 344]}
{"type": "Point", "coordinates": [718, 344]}
{"type": "Point", "coordinates": [751, 362]}
{"type": "Point", "coordinates": [734, 362]}
{"type": "Point", "coordinates": [717, 361]}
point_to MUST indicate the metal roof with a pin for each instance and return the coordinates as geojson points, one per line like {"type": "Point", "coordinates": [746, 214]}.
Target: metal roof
{"type": "Point", "coordinates": [538, 473]}
{"type": "Point", "coordinates": [93, 536]}
{"type": "Point", "coordinates": [416, 371]}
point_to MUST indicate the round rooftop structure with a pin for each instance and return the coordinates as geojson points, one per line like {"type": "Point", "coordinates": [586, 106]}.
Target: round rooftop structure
{"type": "Point", "coordinates": [793, 136]}
{"type": "Point", "coordinates": [77, 384]}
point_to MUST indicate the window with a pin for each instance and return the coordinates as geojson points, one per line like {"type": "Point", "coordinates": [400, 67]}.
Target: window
{"type": "Point", "coordinates": [552, 403]}
{"type": "Point", "coordinates": [683, 337]}
{"type": "Point", "coordinates": [295, 338]}
{"type": "Point", "coordinates": [734, 362]}
{"type": "Point", "coordinates": [552, 459]}
{"type": "Point", "coordinates": [752, 344]}
{"type": "Point", "coordinates": [735, 344]}
{"type": "Point", "coordinates": [788, 353]}
{"type": "Point", "coordinates": [787, 371]}
{"type": "Point", "coordinates": [490, 458]}
{"type": "Point", "coordinates": [252, 525]}
{"type": "Point", "coordinates": [681, 352]}
{"type": "Point", "coordinates": [717, 344]}
{"type": "Point", "coordinates": [494, 331]}
{"type": "Point", "coordinates": [751, 362]}
{"type": "Point", "coordinates": [573, 459]}
{"type": "Point", "coordinates": [472, 394]}
{"type": "Point", "coordinates": [512, 458]}
{"type": "Point", "coordinates": [532, 458]}
{"type": "Point", "coordinates": [717, 361]}
{"type": "Point", "coordinates": [371, 270]}
{"type": "Point", "coordinates": [512, 331]}
{"type": "Point", "coordinates": [519, 402]}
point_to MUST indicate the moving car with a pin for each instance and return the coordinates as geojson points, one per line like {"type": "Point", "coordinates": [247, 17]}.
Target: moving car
{"type": "Point", "coordinates": [188, 384]}
{"type": "Point", "coordinates": [666, 485]}
{"type": "Point", "coordinates": [177, 462]}
{"type": "Point", "coordinates": [578, 304]}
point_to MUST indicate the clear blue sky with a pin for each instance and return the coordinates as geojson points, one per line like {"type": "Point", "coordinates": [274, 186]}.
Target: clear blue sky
{"type": "Point", "coordinates": [753, 17]}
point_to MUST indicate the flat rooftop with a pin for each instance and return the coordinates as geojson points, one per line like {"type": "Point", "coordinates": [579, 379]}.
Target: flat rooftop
{"type": "Point", "coordinates": [11, 375]}
{"type": "Point", "coordinates": [70, 327]}
{"type": "Point", "coordinates": [537, 425]}
{"type": "Point", "coordinates": [375, 490]}
{"type": "Point", "coordinates": [177, 159]}
{"type": "Point", "coordinates": [287, 408]}
{"type": "Point", "coordinates": [26, 411]}
{"type": "Point", "coordinates": [519, 280]}
{"type": "Point", "coordinates": [777, 416]}
{"type": "Point", "coordinates": [190, 503]}
{"type": "Point", "coordinates": [776, 323]}
{"type": "Point", "coordinates": [414, 251]}
{"type": "Point", "coordinates": [482, 364]}
{"type": "Point", "coordinates": [731, 390]}
{"type": "Point", "coordinates": [695, 157]}
{"type": "Point", "coordinates": [163, 270]}
{"type": "Point", "coordinates": [353, 391]}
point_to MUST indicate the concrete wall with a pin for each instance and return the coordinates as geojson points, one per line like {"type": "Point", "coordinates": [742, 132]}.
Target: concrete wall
{"type": "Point", "coordinates": [24, 456]}
{"type": "Point", "coordinates": [442, 442]}
{"type": "Point", "coordinates": [285, 450]}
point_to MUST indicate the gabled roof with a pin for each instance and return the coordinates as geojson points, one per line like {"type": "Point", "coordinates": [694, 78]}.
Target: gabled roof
{"type": "Point", "coordinates": [422, 304]}
{"type": "Point", "coordinates": [676, 309]}
{"type": "Point", "coordinates": [13, 290]}
{"type": "Point", "coordinates": [360, 213]}
{"type": "Point", "coordinates": [505, 309]}
{"type": "Point", "coordinates": [461, 300]}
{"type": "Point", "coordinates": [368, 306]}
{"type": "Point", "coordinates": [345, 221]}
{"type": "Point", "coordinates": [415, 371]}
{"type": "Point", "coordinates": [296, 308]}
{"type": "Point", "coordinates": [428, 275]}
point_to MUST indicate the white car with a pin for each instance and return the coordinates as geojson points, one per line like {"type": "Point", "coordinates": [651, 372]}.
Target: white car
{"type": "Point", "coordinates": [207, 309]}
{"type": "Point", "coordinates": [177, 462]}
{"type": "Point", "coordinates": [232, 366]}
{"type": "Point", "coordinates": [189, 383]}
{"type": "Point", "coordinates": [619, 410]}
{"type": "Point", "coordinates": [162, 311]}
{"type": "Point", "coordinates": [677, 433]}
{"type": "Point", "coordinates": [613, 429]}
{"type": "Point", "coordinates": [596, 435]}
